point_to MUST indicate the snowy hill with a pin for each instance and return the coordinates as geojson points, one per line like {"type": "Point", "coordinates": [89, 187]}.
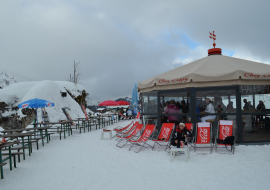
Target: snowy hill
{"type": "Point", "coordinates": [5, 80]}
{"type": "Point", "coordinates": [17, 93]}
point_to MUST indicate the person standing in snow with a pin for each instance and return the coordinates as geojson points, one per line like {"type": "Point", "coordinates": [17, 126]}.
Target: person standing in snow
{"type": "Point", "coordinates": [129, 113]}
{"type": "Point", "coordinates": [120, 111]}
{"type": "Point", "coordinates": [134, 112]}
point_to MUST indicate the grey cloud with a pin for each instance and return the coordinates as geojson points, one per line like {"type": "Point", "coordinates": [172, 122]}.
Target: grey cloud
{"type": "Point", "coordinates": [122, 42]}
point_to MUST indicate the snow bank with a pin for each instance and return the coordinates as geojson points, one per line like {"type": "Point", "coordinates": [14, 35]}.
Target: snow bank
{"type": "Point", "coordinates": [48, 90]}
{"type": "Point", "coordinates": [71, 87]}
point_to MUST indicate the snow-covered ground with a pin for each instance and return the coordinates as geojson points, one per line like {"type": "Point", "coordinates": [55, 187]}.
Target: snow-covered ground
{"type": "Point", "coordinates": [83, 161]}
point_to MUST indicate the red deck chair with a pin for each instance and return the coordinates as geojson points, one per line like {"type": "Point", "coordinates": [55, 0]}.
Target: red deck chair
{"type": "Point", "coordinates": [123, 116]}
{"type": "Point", "coordinates": [124, 140]}
{"type": "Point", "coordinates": [141, 141]}
{"type": "Point", "coordinates": [189, 126]}
{"type": "Point", "coordinates": [164, 135]}
{"type": "Point", "coordinates": [138, 116]}
{"type": "Point", "coordinates": [127, 132]}
{"type": "Point", "coordinates": [225, 129]}
{"type": "Point", "coordinates": [203, 136]}
{"type": "Point", "coordinates": [122, 129]}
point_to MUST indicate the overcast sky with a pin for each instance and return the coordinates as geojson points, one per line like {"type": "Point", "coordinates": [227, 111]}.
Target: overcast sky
{"type": "Point", "coordinates": [122, 42]}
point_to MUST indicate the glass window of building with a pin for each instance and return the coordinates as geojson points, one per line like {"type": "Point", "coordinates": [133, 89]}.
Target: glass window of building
{"type": "Point", "coordinates": [255, 106]}
{"type": "Point", "coordinates": [223, 101]}
{"type": "Point", "coordinates": [255, 98]}
{"type": "Point", "coordinates": [150, 119]}
{"type": "Point", "coordinates": [174, 106]}
{"type": "Point", "coordinates": [149, 102]}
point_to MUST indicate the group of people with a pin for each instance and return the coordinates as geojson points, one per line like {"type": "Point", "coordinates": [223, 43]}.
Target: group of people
{"type": "Point", "coordinates": [249, 106]}
{"type": "Point", "coordinates": [173, 107]}
{"type": "Point", "coordinates": [181, 106]}
{"type": "Point", "coordinates": [129, 113]}
{"type": "Point", "coordinates": [211, 107]}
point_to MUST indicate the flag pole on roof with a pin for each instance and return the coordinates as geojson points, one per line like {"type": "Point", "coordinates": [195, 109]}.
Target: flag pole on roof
{"type": "Point", "coordinates": [214, 51]}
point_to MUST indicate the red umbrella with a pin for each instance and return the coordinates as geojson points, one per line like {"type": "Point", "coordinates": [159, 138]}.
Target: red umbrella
{"type": "Point", "coordinates": [109, 103]}
{"type": "Point", "coordinates": [123, 103]}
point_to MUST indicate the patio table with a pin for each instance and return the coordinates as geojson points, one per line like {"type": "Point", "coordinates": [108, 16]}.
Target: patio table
{"type": "Point", "coordinates": [98, 118]}
{"type": "Point", "coordinates": [41, 132]}
{"type": "Point", "coordinates": [66, 125]}
{"type": "Point", "coordinates": [84, 121]}
{"type": "Point", "coordinates": [110, 119]}
{"type": "Point", "coordinates": [6, 145]}
{"type": "Point", "coordinates": [30, 129]}
{"type": "Point", "coordinates": [21, 135]}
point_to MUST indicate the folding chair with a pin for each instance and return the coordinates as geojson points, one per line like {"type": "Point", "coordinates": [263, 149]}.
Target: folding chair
{"type": "Point", "coordinates": [138, 116]}
{"type": "Point", "coordinates": [164, 135]}
{"type": "Point", "coordinates": [127, 132]}
{"type": "Point", "coordinates": [225, 129]}
{"type": "Point", "coordinates": [126, 139]}
{"type": "Point", "coordinates": [141, 141]}
{"type": "Point", "coordinates": [189, 126]}
{"type": "Point", "coordinates": [123, 116]}
{"type": "Point", "coordinates": [203, 136]}
{"type": "Point", "coordinates": [119, 129]}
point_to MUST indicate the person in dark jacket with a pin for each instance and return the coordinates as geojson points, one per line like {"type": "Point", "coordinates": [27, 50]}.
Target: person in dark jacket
{"type": "Point", "coordinates": [122, 112]}
{"type": "Point", "coordinates": [260, 107]}
{"type": "Point", "coordinates": [179, 134]}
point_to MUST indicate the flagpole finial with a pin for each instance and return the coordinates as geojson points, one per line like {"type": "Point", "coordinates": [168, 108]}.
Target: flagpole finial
{"type": "Point", "coordinates": [213, 36]}
{"type": "Point", "coordinates": [214, 50]}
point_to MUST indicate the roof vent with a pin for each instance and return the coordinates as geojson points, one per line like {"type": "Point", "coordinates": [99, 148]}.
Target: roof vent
{"type": "Point", "coordinates": [214, 51]}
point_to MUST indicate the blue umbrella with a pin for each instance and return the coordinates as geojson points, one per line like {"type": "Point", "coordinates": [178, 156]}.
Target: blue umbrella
{"type": "Point", "coordinates": [36, 103]}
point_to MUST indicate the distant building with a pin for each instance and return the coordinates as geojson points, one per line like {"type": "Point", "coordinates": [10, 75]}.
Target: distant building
{"type": "Point", "coordinates": [100, 109]}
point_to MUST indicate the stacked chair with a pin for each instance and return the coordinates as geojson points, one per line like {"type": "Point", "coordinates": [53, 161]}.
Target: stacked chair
{"type": "Point", "coordinates": [123, 140]}
{"type": "Point", "coordinates": [122, 129]}
{"type": "Point", "coordinates": [121, 134]}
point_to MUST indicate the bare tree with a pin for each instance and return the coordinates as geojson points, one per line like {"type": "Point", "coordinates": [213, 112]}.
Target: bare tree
{"type": "Point", "coordinates": [76, 73]}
